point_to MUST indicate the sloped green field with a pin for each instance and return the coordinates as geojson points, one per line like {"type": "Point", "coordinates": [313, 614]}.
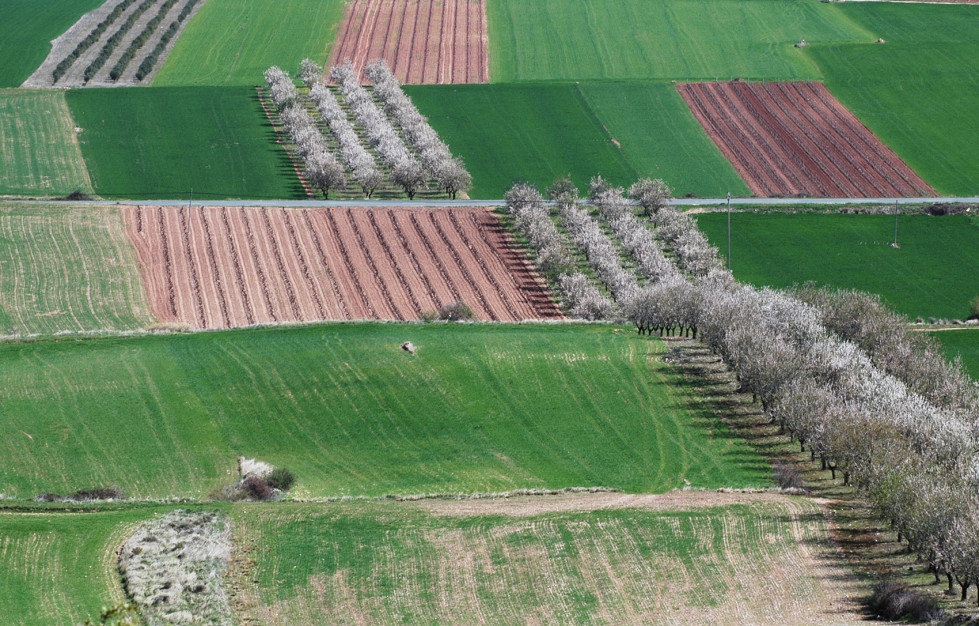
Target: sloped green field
{"type": "Point", "coordinates": [59, 568]}
{"type": "Point", "coordinates": [39, 153]}
{"type": "Point", "coordinates": [530, 133]}
{"type": "Point", "coordinates": [660, 39]}
{"type": "Point", "coordinates": [26, 30]}
{"type": "Point", "coordinates": [935, 272]}
{"type": "Point", "coordinates": [479, 408]}
{"type": "Point", "coordinates": [918, 91]}
{"type": "Point", "coordinates": [67, 268]}
{"type": "Point", "coordinates": [163, 142]}
{"type": "Point", "coordinates": [232, 42]}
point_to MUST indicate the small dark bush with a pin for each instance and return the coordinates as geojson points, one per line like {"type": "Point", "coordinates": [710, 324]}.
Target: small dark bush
{"type": "Point", "coordinates": [786, 476]}
{"type": "Point", "coordinates": [895, 601]}
{"type": "Point", "coordinates": [942, 208]}
{"type": "Point", "coordinates": [76, 196]}
{"type": "Point", "coordinates": [83, 495]}
{"type": "Point", "coordinates": [256, 488]}
{"type": "Point", "coordinates": [974, 308]}
{"type": "Point", "coordinates": [99, 493]}
{"type": "Point", "coordinates": [281, 479]}
{"type": "Point", "coordinates": [457, 311]}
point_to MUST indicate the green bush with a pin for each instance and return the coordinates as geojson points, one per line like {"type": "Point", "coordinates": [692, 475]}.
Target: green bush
{"type": "Point", "coordinates": [456, 312]}
{"type": "Point", "coordinates": [281, 479]}
{"type": "Point", "coordinates": [974, 308]}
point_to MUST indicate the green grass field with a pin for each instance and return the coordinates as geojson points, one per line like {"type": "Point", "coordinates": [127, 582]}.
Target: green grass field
{"type": "Point", "coordinates": [661, 139]}
{"type": "Point", "coordinates": [65, 268]}
{"type": "Point", "coordinates": [59, 568]}
{"type": "Point", "coordinates": [934, 273]}
{"type": "Point", "coordinates": [161, 143]}
{"type": "Point", "coordinates": [39, 153]}
{"type": "Point", "coordinates": [532, 133]}
{"type": "Point", "coordinates": [388, 563]}
{"type": "Point", "coordinates": [537, 133]}
{"type": "Point", "coordinates": [917, 92]}
{"type": "Point", "coordinates": [962, 343]}
{"type": "Point", "coordinates": [660, 39]}
{"type": "Point", "coordinates": [232, 42]}
{"type": "Point", "coordinates": [26, 30]}
{"type": "Point", "coordinates": [480, 408]}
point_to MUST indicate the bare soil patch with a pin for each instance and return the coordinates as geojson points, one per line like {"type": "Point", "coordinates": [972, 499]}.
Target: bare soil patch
{"type": "Point", "coordinates": [220, 267]}
{"type": "Point", "coordinates": [424, 41]}
{"type": "Point", "coordinates": [795, 138]}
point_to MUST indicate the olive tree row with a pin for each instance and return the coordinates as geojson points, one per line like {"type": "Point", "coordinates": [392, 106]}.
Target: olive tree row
{"type": "Point", "coordinates": [448, 171]}
{"type": "Point", "coordinates": [321, 166]}
{"type": "Point", "coordinates": [406, 170]}
{"type": "Point", "coordinates": [532, 220]}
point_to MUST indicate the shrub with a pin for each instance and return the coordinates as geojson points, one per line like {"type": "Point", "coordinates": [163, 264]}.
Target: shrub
{"type": "Point", "coordinates": [894, 601]}
{"type": "Point", "coordinates": [83, 495]}
{"type": "Point", "coordinates": [786, 476]}
{"type": "Point", "coordinates": [456, 312]}
{"type": "Point", "coordinates": [974, 308]}
{"type": "Point", "coordinates": [256, 488]}
{"type": "Point", "coordinates": [281, 479]}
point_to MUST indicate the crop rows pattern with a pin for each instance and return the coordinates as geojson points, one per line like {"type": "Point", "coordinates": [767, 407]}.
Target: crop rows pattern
{"type": "Point", "coordinates": [220, 267]}
{"type": "Point", "coordinates": [423, 41]}
{"type": "Point", "coordinates": [795, 138]}
{"type": "Point", "coordinates": [119, 43]}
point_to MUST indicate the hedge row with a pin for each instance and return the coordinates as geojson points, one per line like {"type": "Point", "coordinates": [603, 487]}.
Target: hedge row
{"type": "Point", "coordinates": [90, 39]}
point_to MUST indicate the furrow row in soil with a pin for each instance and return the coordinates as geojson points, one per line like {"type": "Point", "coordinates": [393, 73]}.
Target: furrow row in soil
{"type": "Point", "coordinates": [790, 139]}
{"type": "Point", "coordinates": [424, 41]}
{"type": "Point", "coordinates": [221, 267]}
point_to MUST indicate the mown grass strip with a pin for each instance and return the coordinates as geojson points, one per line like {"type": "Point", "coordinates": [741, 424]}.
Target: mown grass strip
{"type": "Point", "coordinates": [933, 273]}
{"type": "Point", "coordinates": [67, 269]}
{"type": "Point", "coordinates": [39, 153]}
{"type": "Point", "coordinates": [479, 408]}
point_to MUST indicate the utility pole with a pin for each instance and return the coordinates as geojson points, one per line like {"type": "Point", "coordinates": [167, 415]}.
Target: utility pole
{"type": "Point", "coordinates": [896, 211]}
{"type": "Point", "coordinates": [729, 231]}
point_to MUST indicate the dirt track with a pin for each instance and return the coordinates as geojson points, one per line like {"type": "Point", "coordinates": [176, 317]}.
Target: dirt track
{"type": "Point", "coordinates": [221, 267]}
{"type": "Point", "coordinates": [424, 41]}
{"type": "Point", "coordinates": [786, 139]}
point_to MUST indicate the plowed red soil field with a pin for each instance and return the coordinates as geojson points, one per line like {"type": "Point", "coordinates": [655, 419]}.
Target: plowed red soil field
{"type": "Point", "coordinates": [424, 41]}
{"type": "Point", "coordinates": [788, 139]}
{"type": "Point", "coordinates": [221, 267]}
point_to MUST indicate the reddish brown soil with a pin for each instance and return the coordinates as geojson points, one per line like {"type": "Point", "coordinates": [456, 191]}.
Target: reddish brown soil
{"type": "Point", "coordinates": [788, 139]}
{"type": "Point", "coordinates": [220, 267]}
{"type": "Point", "coordinates": [424, 41]}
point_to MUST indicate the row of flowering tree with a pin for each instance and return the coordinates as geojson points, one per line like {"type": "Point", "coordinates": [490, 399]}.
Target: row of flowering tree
{"type": "Point", "coordinates": [835, 369]}
{"type": "Point", "coordinates": [321, 166]}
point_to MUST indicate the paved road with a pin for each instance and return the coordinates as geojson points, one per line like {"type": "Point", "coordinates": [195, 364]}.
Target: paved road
{"type": "Point", "coordinates": [493, 203]}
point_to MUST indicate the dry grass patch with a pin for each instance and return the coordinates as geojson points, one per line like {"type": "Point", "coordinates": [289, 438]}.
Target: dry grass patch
{"type": "Point", "coordinates": [687, 557]}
